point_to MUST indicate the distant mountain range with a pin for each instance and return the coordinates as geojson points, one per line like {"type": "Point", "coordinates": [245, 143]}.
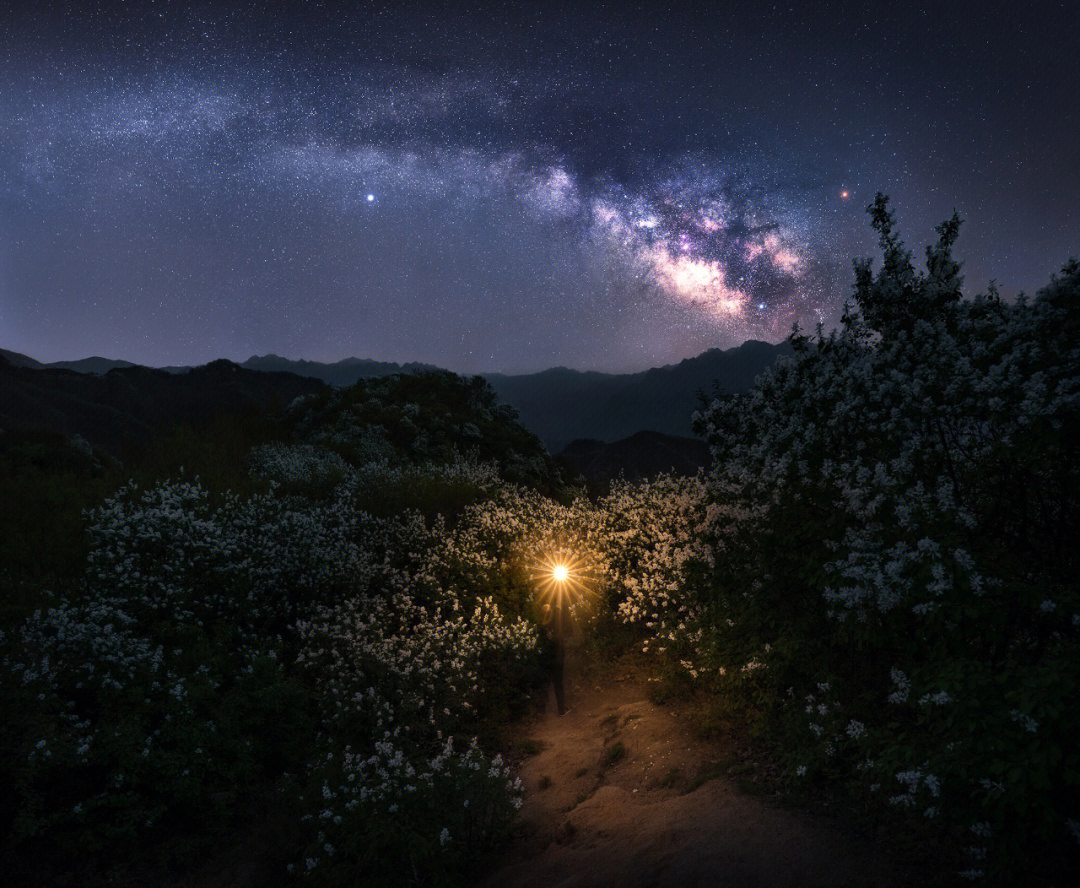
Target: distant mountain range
{"type": "Point", "coordinates": [94, 365]}
{"type": "Point", "coordinates": [339, 373]}
{"type": "Point", "coordinates": [123, 411]}
{"type": "Point", "coordinates": [559, 405]}
{"type": "Point", "coordinates": [563, 405]}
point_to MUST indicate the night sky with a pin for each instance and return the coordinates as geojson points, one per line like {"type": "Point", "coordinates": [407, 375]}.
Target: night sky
{"type": "Point", "coordinates": [606, 189]}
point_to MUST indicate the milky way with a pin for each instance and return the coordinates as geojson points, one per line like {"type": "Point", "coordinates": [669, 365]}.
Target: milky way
{"type": "Point", "coordinates": [488, 192]}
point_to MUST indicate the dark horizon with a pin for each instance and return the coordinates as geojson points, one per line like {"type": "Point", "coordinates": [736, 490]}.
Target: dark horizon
{"type": "Point", "coordinates": [362, 360]}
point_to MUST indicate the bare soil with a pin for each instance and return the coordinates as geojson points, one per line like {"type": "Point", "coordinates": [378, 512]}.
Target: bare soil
{"type": "Point", "coordinates": [617, 795]}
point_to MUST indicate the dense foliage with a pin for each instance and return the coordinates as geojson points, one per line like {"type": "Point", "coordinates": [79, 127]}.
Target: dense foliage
{"type": "Point", "coordinates": [893, 515]}
{"type": "Point", "coordinates": [423, 418]}
{"type": "Point", "coordinates": [284, 647]}
{"type": "Point", "coordinates": [331, 642]}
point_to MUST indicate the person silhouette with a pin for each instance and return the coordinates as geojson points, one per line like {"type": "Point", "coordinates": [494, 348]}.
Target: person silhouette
{"type": "Point", "coordinates": [556, 626]}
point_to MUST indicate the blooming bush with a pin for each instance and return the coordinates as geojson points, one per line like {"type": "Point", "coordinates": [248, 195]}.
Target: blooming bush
{"type": "Point", "coordinates": [217, 643]}
{"type": "Point", "coordinates": [392, 662]}
{"type": "Point", "coordinates": [652, 534]}
{"type": "Point", "coordinates": [127, 734]}
{"type": "Point", "coordinates": [388, 810]}
{"type": "Point", "coordinates": [893, 508]}
{"type": "Point", "coordinates": [301, 465]}
{"type": "Point", "coordinates": [161, 684]}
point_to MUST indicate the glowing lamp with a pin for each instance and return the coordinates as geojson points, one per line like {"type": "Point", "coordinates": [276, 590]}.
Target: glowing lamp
{"type": "Point", "coordinates": [563, 587]}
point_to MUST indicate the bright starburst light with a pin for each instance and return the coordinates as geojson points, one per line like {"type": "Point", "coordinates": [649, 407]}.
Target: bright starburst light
{"type": "Point", "coordinates": [563, 583]}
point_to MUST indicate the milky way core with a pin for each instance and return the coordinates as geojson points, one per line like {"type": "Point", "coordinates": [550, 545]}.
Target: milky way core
{"type": "Point", "coordinates": [499, 192]}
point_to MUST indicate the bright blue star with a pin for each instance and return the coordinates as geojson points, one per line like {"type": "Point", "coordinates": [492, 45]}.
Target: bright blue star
{"type": "Point", "coordinates": [371, 198]}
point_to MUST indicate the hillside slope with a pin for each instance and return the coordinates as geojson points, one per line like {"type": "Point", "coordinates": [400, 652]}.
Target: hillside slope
{"type": "Point", "coordinates": [563, 405]}
{"type": "Point", "coordinates": [121, 412]}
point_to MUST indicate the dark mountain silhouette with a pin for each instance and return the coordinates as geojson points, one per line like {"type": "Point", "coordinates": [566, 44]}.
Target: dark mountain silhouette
{"type": "Point", "coordinates": [123, 411]}
{"type": "Point", "coordinates": [559, 405]}
{"type": "Point", "coordinates": [97, 365]}
{"type": "Point", "coordinates": [642, 455]}
{"type": "Point", "coordinates": [340, 373]}
{"type": "Point", "coordinates": [17, 360]}
{"type": "Point", "coordinates": [563, 405]}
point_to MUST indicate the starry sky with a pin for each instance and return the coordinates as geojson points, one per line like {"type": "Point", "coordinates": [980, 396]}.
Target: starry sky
{"type": "Point", "coordinates": [509, 188]}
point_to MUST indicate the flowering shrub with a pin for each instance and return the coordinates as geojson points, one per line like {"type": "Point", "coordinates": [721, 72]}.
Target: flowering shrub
{"type": "Point", "coordinates": [216, 641]}
{"type": "Point", "coordinates": [640, 548]}
{"type": "Point", "coordinates": [893, 507]}
{"type": "Point", "coordinates": [373, 807]}
{"type": "Point", "coordinates": [126, 736]}
{"type": "Point", "coordinates": [392, 662]}
{"type": "Point", "coordinates": [303, 465]}
{"type": "Point", "coordinates": [161, 684]}
{"type": "Point", "coordinates": [245, 564]}
{"type": "Point", "coordinates": [652, 533]}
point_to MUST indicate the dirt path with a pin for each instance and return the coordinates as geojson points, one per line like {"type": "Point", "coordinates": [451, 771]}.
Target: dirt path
{"type": "Point", "coordinates": [593, 818]}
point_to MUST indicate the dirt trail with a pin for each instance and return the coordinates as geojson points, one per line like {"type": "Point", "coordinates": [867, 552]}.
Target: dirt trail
{"type": "Point", "coordinates": [638, 821]}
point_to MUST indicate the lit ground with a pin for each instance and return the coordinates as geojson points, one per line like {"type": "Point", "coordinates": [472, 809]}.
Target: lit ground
{"type": "Point", "coordinates": [640, 821]}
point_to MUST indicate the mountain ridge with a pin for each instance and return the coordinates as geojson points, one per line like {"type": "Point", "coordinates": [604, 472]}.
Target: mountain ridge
{"type": "Point", "coordinates": [123, 411]}
{"type": "Point", "coordinates": [576, 404]}
{"type": "Point", "coordinates": [560, 404]}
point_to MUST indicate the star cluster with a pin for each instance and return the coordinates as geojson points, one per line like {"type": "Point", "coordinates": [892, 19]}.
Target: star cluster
{"type": "Point", "coordinates": [495, 191]}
